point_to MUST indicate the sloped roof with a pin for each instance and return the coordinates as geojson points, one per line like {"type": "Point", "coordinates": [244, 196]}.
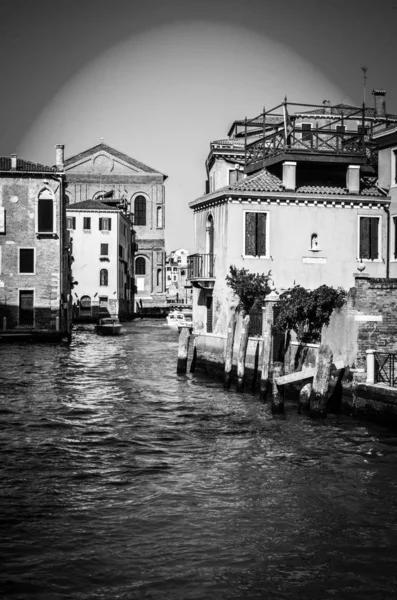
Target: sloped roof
{"type": "Point", "coordinates": [90, 205]}
{"type": "Point", "coordinates": [347, 110]}
{"type": "Point", "coordinates": [116, 153]}
{"type": "Point", "coordinates": [261, 182]}
{"type": "Point", "coordinates": [25, 165]}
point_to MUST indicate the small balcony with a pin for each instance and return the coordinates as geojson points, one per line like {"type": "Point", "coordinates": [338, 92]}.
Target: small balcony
{"type": "Point", "coordinates": [201, 270]}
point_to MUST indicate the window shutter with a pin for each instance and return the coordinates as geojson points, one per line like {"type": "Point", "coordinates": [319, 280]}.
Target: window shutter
{"type": "Point", "coordinates": [374, 235]}
{"type": "Point", "coordinates": [100, 224]}
{"type": "Point", "coordinates": [232, 177]}
{"type": "Point", "coordinates": [2, 220]}
{"type": "Point", "coordinates": [250, 234]}
{"type": "Point", "coordinates": [110, 224]}
{"type": "Point", "coordinates": [364, 237]}
{"type": "Point", "coordinates": [261, 234]}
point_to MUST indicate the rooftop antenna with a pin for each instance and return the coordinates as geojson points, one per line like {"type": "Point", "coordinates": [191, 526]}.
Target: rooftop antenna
{"type": "Point", "coordinates": [364, 70]}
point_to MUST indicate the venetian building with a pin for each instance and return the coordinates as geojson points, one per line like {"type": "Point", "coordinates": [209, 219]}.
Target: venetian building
{"type": "Point", "coordinates": [104, 174]}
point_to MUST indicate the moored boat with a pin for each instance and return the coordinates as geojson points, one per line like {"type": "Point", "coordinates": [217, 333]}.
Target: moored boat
{"type": "Point", "coordinates": [108, 326]}
{"type": "Point", "coordinates": [180, 318]}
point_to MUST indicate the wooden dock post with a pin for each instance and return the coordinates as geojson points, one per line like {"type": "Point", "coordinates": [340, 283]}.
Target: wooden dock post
{"type": "Point", "coordinates": [318, 398]}
{"type": "Point", "coordinates": [183, 348]}
{"type": "Point", "coordinates": [231, 330]}
{"type": "Point", "coordinates": [304, 397]}
{"type": "Point", "coordinates": [242, 353]}
{"type": "Point", "coordinates": [266, 358]}
{"type": "Point", "coordinates": [277, 392]}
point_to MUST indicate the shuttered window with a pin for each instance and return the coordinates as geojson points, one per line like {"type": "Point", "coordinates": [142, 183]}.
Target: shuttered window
{"type": "Point", "coordinates": [255, 234]}
{"type": "Point", "coordinates": [86, 222]}
{"type": "Point", "coordinates": [105, 224]}
{"type": "Point", "coordinates": [104, 249]}
{"type": "Point", "coordinates": [369, 238]}
{"type": "Point", "coordinates": [70, 222]}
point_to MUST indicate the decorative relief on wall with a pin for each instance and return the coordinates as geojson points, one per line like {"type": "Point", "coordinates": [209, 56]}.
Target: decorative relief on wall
{"type": "Point", "coordinates": [314, 259]}
{"type": "Point", "coordinates": [102, 163]}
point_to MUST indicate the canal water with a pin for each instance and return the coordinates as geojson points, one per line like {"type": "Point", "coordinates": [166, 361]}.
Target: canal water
{"type": "Point", "coordinates": [121, 480]}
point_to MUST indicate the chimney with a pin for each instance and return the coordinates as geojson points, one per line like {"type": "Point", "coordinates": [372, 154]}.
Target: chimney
{"type": "Point", "coordinates": [13, 162]}
{"type": "Point", "coordinates": [59, 157]}
{"type": "Point", "coordinates": [327, 106]}
{"type": "Point", "coordinates": [380, 103]}
{"type": "Point", "coordinates": [353, 179]}
{"type": "Point", "coordinates": [289, 175]}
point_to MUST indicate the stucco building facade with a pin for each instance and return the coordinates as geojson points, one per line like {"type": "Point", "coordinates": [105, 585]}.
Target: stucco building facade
{"type": "Point", "coordinates": [102, 173]}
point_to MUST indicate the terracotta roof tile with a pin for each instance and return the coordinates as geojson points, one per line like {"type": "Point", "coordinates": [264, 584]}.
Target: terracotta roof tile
{"type": "Point", "coordinates": [24, 165]}
{"type": "Point", "coordinates": [90, 205]}
{"type": "Point", "coordinates": [261, 182]}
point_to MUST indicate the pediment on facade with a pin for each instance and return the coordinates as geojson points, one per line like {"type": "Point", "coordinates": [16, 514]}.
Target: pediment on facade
{"type": "Point", "coordinates": [104, 160]}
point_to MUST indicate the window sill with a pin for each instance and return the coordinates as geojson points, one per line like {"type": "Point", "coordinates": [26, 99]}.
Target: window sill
{"type": "Point", "coordinates": [104, 259]}
{"type": "Point", "coordinates": [29, 274]}
{"type": "Point", "coordinates": [86, 230]}
{"type": "Point", "coordinates": [250, 256]}
{"type": "Point", "coordinates": [315, 250]}
{"type": "Point", "coordinates": [48, 236]}
{"type": "Point", "coordinates": [369, 260]}
{"type": "Point", "coordinates": [105, 231]}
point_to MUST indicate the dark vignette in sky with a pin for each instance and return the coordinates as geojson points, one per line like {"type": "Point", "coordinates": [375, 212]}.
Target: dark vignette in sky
{"type": "Point", "coordinates": [310, 49]}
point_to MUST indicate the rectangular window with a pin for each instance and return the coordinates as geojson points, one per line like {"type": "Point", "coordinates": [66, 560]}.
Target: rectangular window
{"type": "Point", "coordinates": [121, 252]}
{"type": "Point", "coordinates": [255, 233]}
{"type": "Point", "coordinates": [395, 238]}
{"type": "Point", "coordinates": [26, 260]}
{"type": "Point", "coordinates": [2, 220]}
{"type": "Point", "coordinates": [70, 222]}
{"type": "Point", "coordinates": [306, 132]}
{"type": "Point", "coordinates": [26, 307]}
{"type": "Point", "coordinates": [394, 166]}
{"type": "Point", "coordinates": [369, 238]}
{"type": "Point", "coordinates": [105, 224]}
{"type": "Point", "coordinates": [86, 222]}
{"type": "Point", "coordinates": [104, 249]}
{"type": "Point", "coordinates": [362, 130]}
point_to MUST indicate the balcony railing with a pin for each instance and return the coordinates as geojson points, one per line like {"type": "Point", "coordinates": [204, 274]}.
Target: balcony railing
{"type": "Point", "coordinates": [200, 266]}
{"type": "Point", "coordinates": [334, 138]}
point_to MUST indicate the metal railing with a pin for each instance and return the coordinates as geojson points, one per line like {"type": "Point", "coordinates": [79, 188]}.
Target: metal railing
{"type": "Point", "coordinates": [385, 368]}
{"type": "Point", "coordinates": [255, 326]}
{"type": "Point", "coordinates": [200, 266]}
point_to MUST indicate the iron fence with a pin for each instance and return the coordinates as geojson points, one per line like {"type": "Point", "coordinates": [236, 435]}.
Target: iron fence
{"type": "Point", "coordinates": [255, 326]}
{"type": "Point", "coordinates": [385, 368]}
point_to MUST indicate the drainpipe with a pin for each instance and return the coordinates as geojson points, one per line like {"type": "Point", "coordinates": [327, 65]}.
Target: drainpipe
{"type": "Point", "coordinates": [386, 208]}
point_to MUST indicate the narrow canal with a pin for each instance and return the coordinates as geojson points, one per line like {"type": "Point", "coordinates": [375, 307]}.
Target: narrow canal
{"type": "Point", "coordinates": [119, 479]}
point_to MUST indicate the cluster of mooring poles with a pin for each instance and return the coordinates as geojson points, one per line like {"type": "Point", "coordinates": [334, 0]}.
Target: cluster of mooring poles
{"type": "Point", "coordinates": [313, 396]}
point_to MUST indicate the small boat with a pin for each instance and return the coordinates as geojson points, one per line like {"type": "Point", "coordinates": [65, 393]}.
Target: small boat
{"type": "Point", "coordinates": [178, 319]}
{"type": "Point", "coordinates": [108, 326]}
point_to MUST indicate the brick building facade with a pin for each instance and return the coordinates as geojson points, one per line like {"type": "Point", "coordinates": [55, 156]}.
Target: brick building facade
{"type": "Point", "coordinates": [35, 283]}
{"type": "Point", "coordinates": [102, 173]}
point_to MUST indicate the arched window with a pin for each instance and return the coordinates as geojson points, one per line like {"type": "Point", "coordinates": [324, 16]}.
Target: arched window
{"type": "Point", "coordinates": [85, 303]}
{"type": "Point", "coordinates": [140, 210]}
{"type": "Point", "coordinates": [103, 277]}
{"type": "Point", "coordinates": [45, 212]}
{"type": "Point", "coordinates": [140, 266]}
{"type": "Point", "coordinates": [159, 217]}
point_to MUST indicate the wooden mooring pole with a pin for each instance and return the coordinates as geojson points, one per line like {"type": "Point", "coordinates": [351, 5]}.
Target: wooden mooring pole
{"type": "Point", "coordinates": [277, 391]}
{"type": "Point", "coordinates": [318, 398]}
{"type": "Point", "coordinates": [231, 330]}
{"type": "Point", "coordinates": [183, 349]}
{"type": "Point", "coordinates": [266, 359]}
{"type": "Point", "coordinates": [242, 353]}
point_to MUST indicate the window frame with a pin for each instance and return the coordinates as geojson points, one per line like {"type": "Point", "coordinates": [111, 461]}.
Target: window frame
{"type": "Point", "coordinates": [143, 261]}
{"type": "Point", "coordinates": [393, 245]}
{"type": "Point", "coordinates": [85, 219]}
{"type": "Point", "coordinates": [307, 131]}
{"type": "Point", "coordinates": [102, 220]}
{"type": "Point", "coordinates": [33, 292]}
{"type": "Point", "coordinates": [262, 256]}
{"type": "Point", "coordinates": [19, 260]}
{"type": "Point", "coordinates": [107, 249]}
{"type": "Point", "coordinates": [140, 212]}
{"type": "Point", "coordinates": [73, 219]}
{"type": "Point", "coordinates": [370, 260]}
{"type": "Point", "coordinates": [393, 165]}
{"type": "Point", "coordinates": [106, 278]}
{"type": "Point", "coordinates": [54, 216]}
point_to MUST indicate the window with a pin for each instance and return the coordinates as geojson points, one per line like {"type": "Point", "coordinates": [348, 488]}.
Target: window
{"type": "Point", "coordinates": [140, 266]}
{"type": "Point", "coordinates": [104, 249]}
{"type": "Point", "coordinates": [394, 167]}
{"type": "Point", "coordinates": [235, 176]}
{"type": "Point", "coordinates": [140, 210]}
{"type": "Point", "coordinates": [341, 128]}
{"type": "Point", "coordinates": [362, 130]}
{"type": "Point", "coordinates": [26, 260]}
{"type": "Point", "coordinates": [86, 222]}
{"type": "Point", "coordinates": [2, 220]}
{"type": "Point", "coordinates": [159, 277]}
{"type": "Point", "coordinates": [159, 217]}
{"type": "Point", "coordinates": [70, 222]}
{"type": "Point", "coordinates": [306, 132]}
{"type": "Point", "coordinates": [369, 238]}
{"type": "Point", "coordinates": [395, 238]}
{"type": "Point", "coordinates": [103, 277]}
{"type": "Point", "coordinates": [121, 252]}
{"type": "Point", "coordinates": [105, 224]}
{"type": "Point", "coordinates": [45, 212]}
{"type": "Point", "coordinates": [103, 304]}
{"type": "Point", "coordinates": [255, 233]}
{"type": "Point", "coordinates": [85, 304]}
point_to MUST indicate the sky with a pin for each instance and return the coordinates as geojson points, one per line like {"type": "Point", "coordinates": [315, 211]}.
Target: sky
{"type": "Point", "coordinates": [160, 79]}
